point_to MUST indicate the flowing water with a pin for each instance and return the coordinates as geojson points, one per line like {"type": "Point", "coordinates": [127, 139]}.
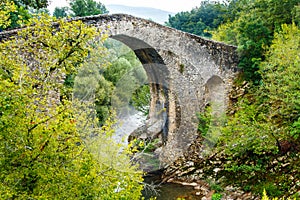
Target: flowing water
{"type": "Point", "coordinates": [166, 191]}
{"type": "Point", "coordinates": [172, 191]}
{"type": "Point", "coordinates": [127, 124]}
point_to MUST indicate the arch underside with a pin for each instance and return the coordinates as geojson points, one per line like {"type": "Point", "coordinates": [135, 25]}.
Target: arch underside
{"type": "Point", "coordinates": [158, 80]}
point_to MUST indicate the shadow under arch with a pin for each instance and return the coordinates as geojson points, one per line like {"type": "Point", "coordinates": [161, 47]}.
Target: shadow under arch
{"type": "Point", "coordinates": [158, 79]}
{"type": "Point", "coordinates": [215, 89]}
{"type": "Point", "coordinates": [215, 95]}
{"type": "Point", "coordinates": [152, 62]}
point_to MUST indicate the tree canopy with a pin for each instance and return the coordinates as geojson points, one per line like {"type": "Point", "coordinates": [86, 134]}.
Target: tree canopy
{"type": "Point", "coordinates": [199, 20]}
{"type": "Point", "coordinates": [51, 142]}
{"type": "Point", "coordinates": [12, 15]}
{"type": "Point", "coordinates": [36, 4]}
{"type": "Point", "coordinates": [82, 8]}
{"type": "Point", "coordinates": [266, 124]}
{"type": "Point", "coordinates": [120, 81]}
{"type": "Point", "coordinates": [60, 12]}
{"type": "Point", "coordinates": [251, 24]}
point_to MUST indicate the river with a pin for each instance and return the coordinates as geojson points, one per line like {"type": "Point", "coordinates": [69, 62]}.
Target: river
{"type": "Point", "coordinates": [167, 191]}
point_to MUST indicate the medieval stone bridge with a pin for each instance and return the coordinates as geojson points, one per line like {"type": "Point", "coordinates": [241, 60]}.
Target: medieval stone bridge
{"type": "Point", "coordinates": [185, 72]}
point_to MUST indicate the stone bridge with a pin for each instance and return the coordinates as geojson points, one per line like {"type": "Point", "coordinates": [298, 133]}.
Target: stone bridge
{"type": "Point", "coordinates": [185, 72]}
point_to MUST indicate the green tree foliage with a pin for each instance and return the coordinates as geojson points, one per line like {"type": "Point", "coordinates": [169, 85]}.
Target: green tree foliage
{"type": "Point", "coordinates": [12, 16]}
{"type": "Point", "coordinates": [281, 77]}
{"type": "Point", "coordinates": [90, 83]}
{"type": "Point", "coordinates": [39, 11]}
{"type": "Point", "coordinates": [120, 81]}
{"type": "Point", "coordinates": [141, 99]}
{"type": "Point", "coordinates": [204, 121]}
{"type": "Point", "coordinates": [60, 12]}
{"type": "Point", "coordinates": [50, 146]}
{"type": "Point", "coordinates": [82, 8]}
{"type": "Point", "coordinates": [251, 24]}
{"type": "Point", "coordinates": [5, 13]}
{"type": "Point", "coordinates": [226, 33]}
{"type": "Point", "coordinates": [266, 124]}
{"type": "Point", "coordinates": [253, 35]}
{"type": "Point", "coordinates": [296, 14]}
{"type": "Point", "coordinates": [23, 10]}
{"type": "Point", "coordinates": [36, 4]}
{"type": "Point", "coordinates": [200, 20]}
{"type": "Point", "coordinates": [117, 70]}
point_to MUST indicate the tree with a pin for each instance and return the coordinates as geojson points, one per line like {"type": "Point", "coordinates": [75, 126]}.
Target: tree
{"type": "Point", "coordinates": [281, 77]}
{"type": "Point", "coordinates": [50, 145]}
{"type": "Point", "coordinates": [5, 13]}
{"type": "Point", "coordinates": [120, 80]}
{"type": "Point", "coordinates": [39, 11]}
{"type": "Point", "coordinates": [141, 99]}
{"type": "Point", "coordinates": [36, 4]}
{"type": "Point", "coordinates": [82, 8]}
{"type": "Point", "coordinates": [266, 124]}
{"type": "Point", "coordinates": [12, 15]}
{"type": "Point", "coordinates": [60, 12]}
{"type": "Point", "coordinates": [251, 24]}
{"type": "Point", "coordinates": [200, 20]}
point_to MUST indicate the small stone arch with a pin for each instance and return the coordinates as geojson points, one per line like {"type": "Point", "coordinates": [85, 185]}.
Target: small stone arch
{"type": "Point", "coordinates": [215, 94]}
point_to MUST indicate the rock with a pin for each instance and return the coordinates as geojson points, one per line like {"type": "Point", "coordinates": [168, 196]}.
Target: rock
{"type": "Point", "coordinates": [229, 188]}
{"type": "Point", "coordinates": [189, 184]}
{"type": "Point", "coordinates": [285, 164]}
{"type": "Point", "coordinates": [216, 170]}
{"type": "Point", "coordinates": [158, 151]}
{"type": "Point", "coordinates": [246, 196]}
{"type": "Point", "coordinates": [209, 195]}
{"type": "Point", "coordinates": [154, 129]}
{"type": "Point", "coordinates": [189, 163]}
{"type": "Point", "coordinates": [198, 187]}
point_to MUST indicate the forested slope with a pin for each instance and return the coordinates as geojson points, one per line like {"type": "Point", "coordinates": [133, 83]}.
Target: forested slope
{"type": "Point", "coordinates": [260, 139]}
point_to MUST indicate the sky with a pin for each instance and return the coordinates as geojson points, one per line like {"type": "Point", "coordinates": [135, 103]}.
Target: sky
{"type": "Point", "coordinates": [168, 5]}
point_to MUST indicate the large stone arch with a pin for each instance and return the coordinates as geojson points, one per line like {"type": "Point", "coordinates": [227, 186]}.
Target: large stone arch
{"type": "Point", "coordinates": [163, 96]}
